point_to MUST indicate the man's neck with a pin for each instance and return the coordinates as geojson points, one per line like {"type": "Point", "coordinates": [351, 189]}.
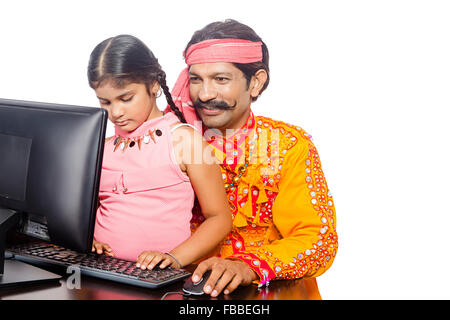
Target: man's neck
{"type": "Point", "coordinates": [231, 130]}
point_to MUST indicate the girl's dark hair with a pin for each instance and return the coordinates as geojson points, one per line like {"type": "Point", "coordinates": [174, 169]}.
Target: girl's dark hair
{"type": "Point", "coordinates": [235, 30]}
{"type": "Point", "coordinates": [126, 59]}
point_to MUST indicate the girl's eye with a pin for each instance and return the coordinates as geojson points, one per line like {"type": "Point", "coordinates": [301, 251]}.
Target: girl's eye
{"type": "Point", "coordinates": [105, 103]}
{"type": "Point", "coordinates": [127, 99]}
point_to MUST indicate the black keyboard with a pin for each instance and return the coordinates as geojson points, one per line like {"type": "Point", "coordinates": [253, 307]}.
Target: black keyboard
{"type": "Point", "coordinates": [100, 266]}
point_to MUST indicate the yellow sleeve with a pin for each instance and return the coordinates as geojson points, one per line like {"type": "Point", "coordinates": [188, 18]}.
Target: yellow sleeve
{"type": "Point", "coordinates": [304, 218]}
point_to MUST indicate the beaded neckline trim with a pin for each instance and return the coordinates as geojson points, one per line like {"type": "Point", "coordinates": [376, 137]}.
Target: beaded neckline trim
{"type": "Point", "coordinates": [125, 143]}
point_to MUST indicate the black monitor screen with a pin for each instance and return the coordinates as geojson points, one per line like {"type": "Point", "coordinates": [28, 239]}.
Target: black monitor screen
{"type": "Point", "coordinates": [50, 165]}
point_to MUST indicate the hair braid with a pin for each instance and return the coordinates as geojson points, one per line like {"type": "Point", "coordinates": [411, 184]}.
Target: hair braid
{"type": "Point", "coordinates": [162, 82]}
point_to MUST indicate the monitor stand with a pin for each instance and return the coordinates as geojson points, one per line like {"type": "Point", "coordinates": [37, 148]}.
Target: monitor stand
{"type": "Point", "coordinates": [14, 273]}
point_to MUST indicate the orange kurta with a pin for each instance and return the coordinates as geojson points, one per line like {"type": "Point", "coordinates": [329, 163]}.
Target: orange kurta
{"type": "Point", "coordinates": [284, 223]}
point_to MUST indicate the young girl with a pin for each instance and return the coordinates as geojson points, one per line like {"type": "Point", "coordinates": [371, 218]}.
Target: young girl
{"type": "Point", "coordinates": [149, 176]}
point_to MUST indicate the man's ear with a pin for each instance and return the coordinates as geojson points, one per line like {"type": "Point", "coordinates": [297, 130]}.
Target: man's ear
{"type": "Point", "coordinates": [257, 82]}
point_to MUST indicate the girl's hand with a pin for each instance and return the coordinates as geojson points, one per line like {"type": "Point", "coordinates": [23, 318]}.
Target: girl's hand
{"type": "Point", "coordinates": [102, 248]}
{"type": "Point", "coordinates": [149, 259]}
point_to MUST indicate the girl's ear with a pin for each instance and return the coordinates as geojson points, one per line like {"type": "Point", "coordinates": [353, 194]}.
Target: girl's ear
{"type": "Point", "coordinates": [154, 88]}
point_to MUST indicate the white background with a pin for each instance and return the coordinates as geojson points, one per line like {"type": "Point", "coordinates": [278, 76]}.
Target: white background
{"type": "Point", "coordinates": [369, 80]}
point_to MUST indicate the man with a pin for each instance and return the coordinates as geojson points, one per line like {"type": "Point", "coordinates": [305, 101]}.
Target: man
{"type": "Point", "coordinates": [284, 223]}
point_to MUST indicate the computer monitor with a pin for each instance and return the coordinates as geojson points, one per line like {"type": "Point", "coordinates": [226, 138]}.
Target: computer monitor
{"type": "Point", "coordinates": [50, 166]}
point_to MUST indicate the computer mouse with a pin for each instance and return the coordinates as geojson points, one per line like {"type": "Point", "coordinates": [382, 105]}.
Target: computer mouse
{"type": "Point", "coordinates": [196, 288]}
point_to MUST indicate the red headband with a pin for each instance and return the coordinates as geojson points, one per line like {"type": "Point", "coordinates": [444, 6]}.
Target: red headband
{"type": "Point", "coordinates": [224, 50]}
{"type": "Point", "coordinates": [210, 51]}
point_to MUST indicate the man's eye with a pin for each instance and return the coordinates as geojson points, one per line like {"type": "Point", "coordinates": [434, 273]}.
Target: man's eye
{"type": "Point", "coordinates": [194, 79]}
{"type": "Point", "coordinates": [221, 79]}
{"type": "Point", "coordinates": [105, 103]}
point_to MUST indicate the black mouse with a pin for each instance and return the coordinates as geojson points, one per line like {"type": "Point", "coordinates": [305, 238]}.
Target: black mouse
{"type": "Point", "coordinates": [196, 288]}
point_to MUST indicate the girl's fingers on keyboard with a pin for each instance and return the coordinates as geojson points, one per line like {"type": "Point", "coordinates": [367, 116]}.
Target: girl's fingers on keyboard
{"type": "Point", "coordinates": [157, 258]}
{"type": "Point", "coordinates": [167, 261]}
{"type": "Point", "coordinates": [102, 247]}
{"type": "Point", "coordinates": [145, 258]}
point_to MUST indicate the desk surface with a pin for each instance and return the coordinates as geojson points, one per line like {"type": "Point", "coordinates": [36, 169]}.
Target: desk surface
{"type": "Point", "coordinates": [99, 289]}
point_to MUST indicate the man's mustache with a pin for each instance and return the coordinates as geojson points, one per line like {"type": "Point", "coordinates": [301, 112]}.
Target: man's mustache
{"type": "Point", "coordinates": [213, 104]}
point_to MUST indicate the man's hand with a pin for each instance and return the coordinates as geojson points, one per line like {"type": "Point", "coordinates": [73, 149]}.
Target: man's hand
{"type": "Point", "coordinates": [226, 275]}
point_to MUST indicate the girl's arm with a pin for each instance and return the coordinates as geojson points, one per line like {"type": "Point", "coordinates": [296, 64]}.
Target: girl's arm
{"type": "Point", "coordinates": [197, 160]}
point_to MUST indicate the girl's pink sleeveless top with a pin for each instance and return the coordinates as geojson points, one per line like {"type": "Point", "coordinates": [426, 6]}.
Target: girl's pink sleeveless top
{"type": "Point", "coordinates": [145, 199]}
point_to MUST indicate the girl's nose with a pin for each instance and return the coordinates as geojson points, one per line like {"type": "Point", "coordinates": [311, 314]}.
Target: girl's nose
{"type": "Point", "coordinates": [116, 111]}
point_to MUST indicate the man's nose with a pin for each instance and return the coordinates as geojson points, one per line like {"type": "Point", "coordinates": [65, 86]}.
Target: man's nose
{"type": "Point", "coordinates": [207, 92]}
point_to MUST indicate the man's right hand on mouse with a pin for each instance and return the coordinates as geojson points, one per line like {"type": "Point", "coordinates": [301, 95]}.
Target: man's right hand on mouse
{"type": "Point", "coordinates": [226, 275]}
